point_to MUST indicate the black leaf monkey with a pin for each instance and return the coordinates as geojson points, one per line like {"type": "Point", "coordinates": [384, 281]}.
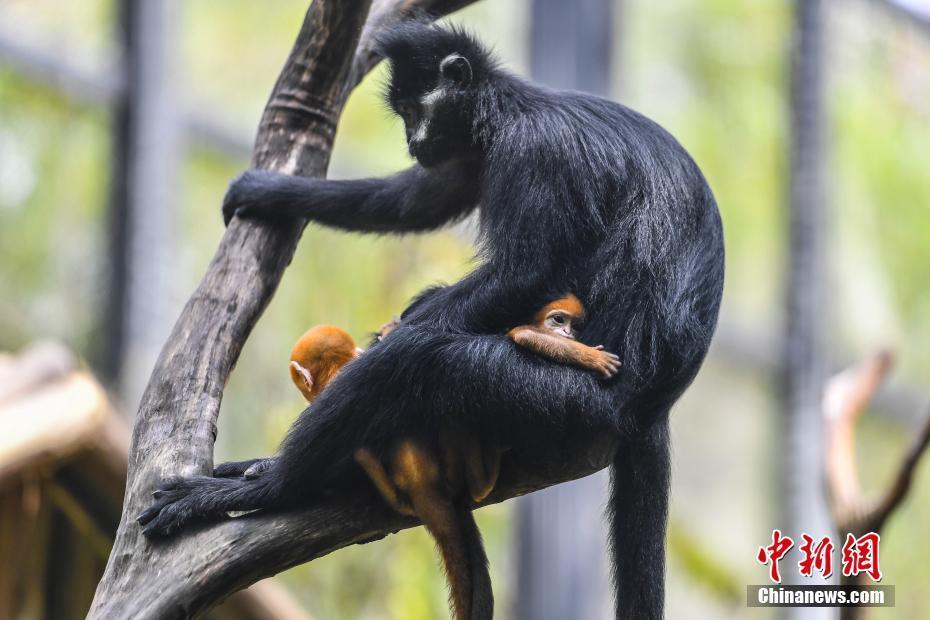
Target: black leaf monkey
{"type": "Point", "coordinates": [577, 194]}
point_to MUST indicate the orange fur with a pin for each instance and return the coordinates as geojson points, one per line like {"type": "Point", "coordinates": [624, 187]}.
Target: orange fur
{"type": "Point", "coordinates": [417, 475]}
{"type": "Point", "coordinates": [323, 350]}
{"type": "Point", "coordinates": [555, 344]}
{"type": "Point", "coordinates": [569, 304]}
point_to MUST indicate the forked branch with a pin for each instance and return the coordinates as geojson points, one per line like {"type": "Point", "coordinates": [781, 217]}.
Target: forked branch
{"type": "Point", "coordinates": [845, 399]}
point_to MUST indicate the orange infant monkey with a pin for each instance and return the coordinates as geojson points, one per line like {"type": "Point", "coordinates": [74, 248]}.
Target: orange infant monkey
{"type": "Point", "coordinates": [318, 356]}
{"type": "Point", "coordinates": [551, 335]}
{"type": "Point", "coordinates": [416, 481]}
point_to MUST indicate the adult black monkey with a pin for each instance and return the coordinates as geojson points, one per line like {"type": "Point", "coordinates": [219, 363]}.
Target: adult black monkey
{"type": "Point", "coordinates": [576, 194]}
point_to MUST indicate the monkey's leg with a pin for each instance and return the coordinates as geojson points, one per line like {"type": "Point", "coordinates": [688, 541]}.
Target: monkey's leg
{"type": "Point", "coordinates": [382, 481]}
{"type": "Point", "coordinates": [454, 530]}
{"type": "Point", "coordinates": [482, 467]}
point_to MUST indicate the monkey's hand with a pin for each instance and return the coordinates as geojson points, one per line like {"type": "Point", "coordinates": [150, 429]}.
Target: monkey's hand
{"type": "Point", "coordinates": [250, 469]}
{"type": "Point", "coordinates": [604, 362]}
{"type": "Point", "coordinates": [387, 328]}
{"type": "Point", "coordinates": [252, 194]}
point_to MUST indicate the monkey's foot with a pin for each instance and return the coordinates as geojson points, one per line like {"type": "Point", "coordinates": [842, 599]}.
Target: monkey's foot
{"type": "Point", "coordinates": [259, 467]}
{"type": "Point", "coordinates": [176, 505]}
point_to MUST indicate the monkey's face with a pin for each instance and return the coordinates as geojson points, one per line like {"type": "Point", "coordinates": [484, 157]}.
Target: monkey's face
{"type": "Point", "coordinates": [434, 104]}
{"type": "Point", "coordinates": [559, 322]}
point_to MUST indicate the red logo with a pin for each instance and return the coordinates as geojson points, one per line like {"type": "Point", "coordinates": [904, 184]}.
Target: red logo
{"type": "Point", "coordinates": [859, 555]}
{"type": "Point", "coordinates": [774, 553]}
{"type": "Point", "coordinates": [817, 557]}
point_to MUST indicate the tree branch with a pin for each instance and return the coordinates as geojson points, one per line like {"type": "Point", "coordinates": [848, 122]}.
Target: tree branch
{"type": "Point", "coordinates": [845, 399]}
{"type": "Point", "coordinates": [176, 424]}
{"type": "Point", "coordinates": [846, 396]}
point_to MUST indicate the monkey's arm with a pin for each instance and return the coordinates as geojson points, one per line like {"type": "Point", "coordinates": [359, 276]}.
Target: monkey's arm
{"type": "Point", "coordinates": [488, 300]}
{"type": "Point", "coordinates": [566, 351]}
{"type": "Point", "coordinates": [416, 199]}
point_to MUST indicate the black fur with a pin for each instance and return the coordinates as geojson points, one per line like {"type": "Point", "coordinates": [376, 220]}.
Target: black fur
{"type": "Point", "coordinates": [576, 194]}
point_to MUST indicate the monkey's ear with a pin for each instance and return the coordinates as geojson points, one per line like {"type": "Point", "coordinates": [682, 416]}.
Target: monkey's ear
{"type": "Point", "coordinates": [456, 67]}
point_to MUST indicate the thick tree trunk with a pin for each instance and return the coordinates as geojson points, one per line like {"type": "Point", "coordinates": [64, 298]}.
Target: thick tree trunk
{"type": "Point", "coordinates": [176, 423]}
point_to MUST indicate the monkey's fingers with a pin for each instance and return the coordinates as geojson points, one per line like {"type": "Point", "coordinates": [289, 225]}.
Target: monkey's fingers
{"type": "Point", "coordinates": [388, 327]}
{"type": "Point", "coordinates": [609, 365]}
{"type": "Point", "coordinates": [244, 196]}
{"type": "Point", "coordinates": [599, 347]}
{"type": "Point", "coordinates": [229, 211]}
{"type": "Point", "coordinates": [233, 200]}
{"type": "Point", "coordinates": [234, 469]}
{"type": "Point", "coordinates": [258, 468]}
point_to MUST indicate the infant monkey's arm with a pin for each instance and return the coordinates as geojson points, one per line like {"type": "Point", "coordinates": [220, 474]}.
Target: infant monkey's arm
{"type": "Point", "coordinates": [550, 335]}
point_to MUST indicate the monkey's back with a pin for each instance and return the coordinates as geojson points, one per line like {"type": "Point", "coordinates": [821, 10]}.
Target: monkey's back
{"type": "Point", "coordinates": [639, 234]}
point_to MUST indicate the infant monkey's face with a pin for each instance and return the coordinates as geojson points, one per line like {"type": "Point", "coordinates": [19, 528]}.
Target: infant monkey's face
{"type": "Point", "coordinates": [559, 322]}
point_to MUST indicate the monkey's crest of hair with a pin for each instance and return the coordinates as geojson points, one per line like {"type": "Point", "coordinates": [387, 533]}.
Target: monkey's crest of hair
{"type": "Point", "coordinates": [421, 45]}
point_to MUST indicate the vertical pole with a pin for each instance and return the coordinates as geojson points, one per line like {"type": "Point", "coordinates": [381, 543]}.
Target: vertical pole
{"type": "Point", "coordinates": [562, 538]}
{"type": "Point", "coordinates": [142, 236]}
{"type": "Point", "coordinates": [804, 364]}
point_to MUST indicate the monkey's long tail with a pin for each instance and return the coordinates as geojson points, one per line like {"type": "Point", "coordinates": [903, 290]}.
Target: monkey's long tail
{"type": "Point", "coordinates": [638, 513]}
{"type": "Point", "coordinates": [453, 527]}
{"type": "Point", "coordinates": [482, 596]}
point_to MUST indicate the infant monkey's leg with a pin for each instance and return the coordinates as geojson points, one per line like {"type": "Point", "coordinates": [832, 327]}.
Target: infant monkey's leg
{"type": "Point", "coordinates": [382, 481]}
{"type": "Point", "coordinates": [480, 464]}
{"type": "Point", "coordinates": [418, 474]}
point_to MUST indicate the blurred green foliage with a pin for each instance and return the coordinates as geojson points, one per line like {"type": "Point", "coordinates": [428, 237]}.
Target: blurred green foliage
{"type": "Point", "coordinates": [714, 72]}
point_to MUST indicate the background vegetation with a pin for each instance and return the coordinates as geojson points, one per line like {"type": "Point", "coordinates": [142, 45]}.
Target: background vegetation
{"type": "Point", "coordinates": [713, 72]}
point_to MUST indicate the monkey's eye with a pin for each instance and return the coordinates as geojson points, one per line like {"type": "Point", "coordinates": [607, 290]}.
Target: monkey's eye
{"type": "Point", "coordinates": [558, 319]}
{"type": "Point", "coordinates": [407, 112]}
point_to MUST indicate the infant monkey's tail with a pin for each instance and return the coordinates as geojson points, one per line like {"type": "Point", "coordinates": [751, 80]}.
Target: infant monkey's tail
{"type": "Point", "coordinates": [453, 527]}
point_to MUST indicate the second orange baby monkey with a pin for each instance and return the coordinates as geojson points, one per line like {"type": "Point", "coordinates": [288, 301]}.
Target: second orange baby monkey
{"type": "Point", "coordinates": [318, 356]}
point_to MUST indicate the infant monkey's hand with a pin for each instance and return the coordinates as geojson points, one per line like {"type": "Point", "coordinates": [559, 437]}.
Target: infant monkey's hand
{"type": "Point", "coordinates": [387, 328]}
{"type": "Point", "coordinates": [604, 362]}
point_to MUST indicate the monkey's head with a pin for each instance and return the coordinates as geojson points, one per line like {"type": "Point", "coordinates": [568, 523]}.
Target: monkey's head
{"type": "Point", "coordinates": [559, 316]}
{"type": "Point", "coordinates": [318, 355]}
{"type": "Point", "coordinates": [436, 75]}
